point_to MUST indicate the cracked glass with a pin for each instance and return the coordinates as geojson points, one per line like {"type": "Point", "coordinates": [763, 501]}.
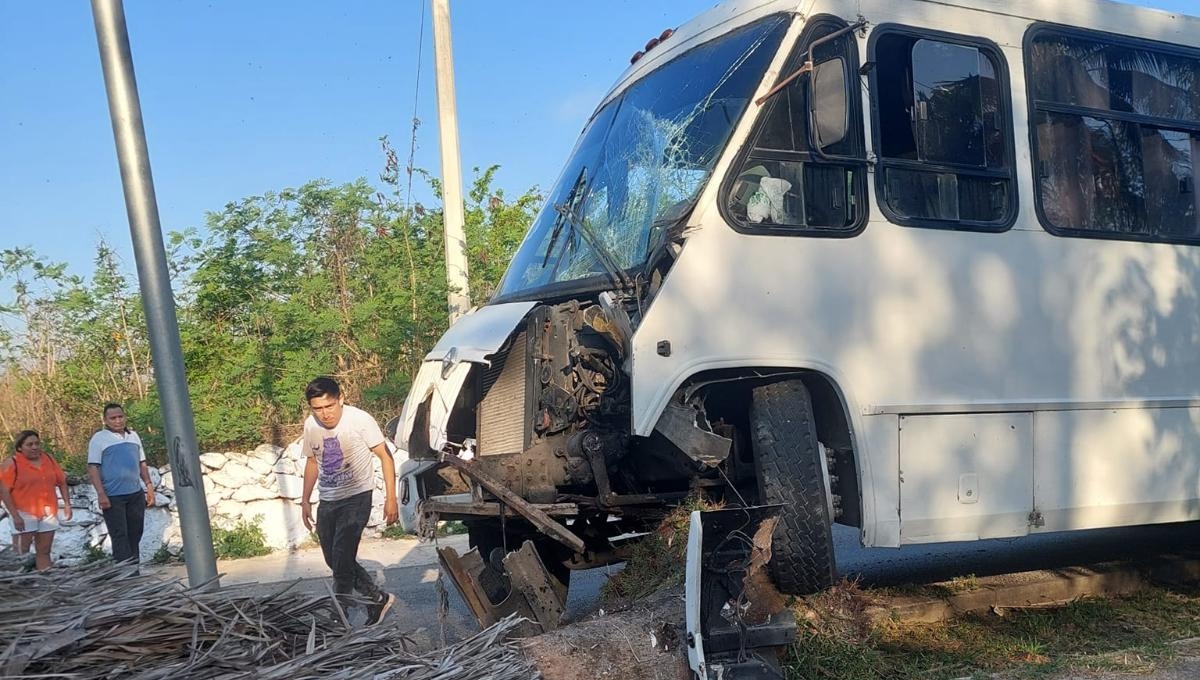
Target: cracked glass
{"type": "Point", "coordinates": [642, 161]}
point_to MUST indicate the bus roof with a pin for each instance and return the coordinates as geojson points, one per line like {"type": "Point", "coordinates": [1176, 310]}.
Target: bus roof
{"type": "Point", "coordinates": [1101, 15]}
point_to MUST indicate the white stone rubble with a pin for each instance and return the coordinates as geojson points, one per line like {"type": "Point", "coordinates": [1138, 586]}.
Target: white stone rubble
{"type": "Point", "coordinates": [263, 485]}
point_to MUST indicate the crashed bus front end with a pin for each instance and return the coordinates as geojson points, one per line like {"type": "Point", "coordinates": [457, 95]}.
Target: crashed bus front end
{"type": "Point", "coordinates": [532, 424]}
{"type": "Point", "coordinates": [525, 436]}
{"type": "Point", "coordinates": [520, 422]}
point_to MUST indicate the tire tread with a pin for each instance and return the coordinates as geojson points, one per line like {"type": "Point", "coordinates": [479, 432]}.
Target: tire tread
{"type": "Point", "coordinates": [788, 464]}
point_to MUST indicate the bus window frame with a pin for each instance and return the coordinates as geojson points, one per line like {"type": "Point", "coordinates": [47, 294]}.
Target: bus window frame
{"type": "Point", "coordinates": [855, 125]}
{"type": "Point", "coordinates": [1009, 171]}
{"type": "Point", "coordinates": [1044, 27]}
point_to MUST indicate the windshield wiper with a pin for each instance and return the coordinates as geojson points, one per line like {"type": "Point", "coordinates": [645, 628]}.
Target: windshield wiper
{"type": "Point", "coordinates": [569, 216]}
{"type": "Point", "coordinates": [603, 254]}
{"type": "Point", "coordinates": [569, 206]}
{"type": "Point", "coordinates": [663, 231]}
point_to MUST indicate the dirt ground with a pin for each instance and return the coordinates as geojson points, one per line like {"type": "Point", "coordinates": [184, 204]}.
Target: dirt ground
{"type": "Point", "coordinates": [1184, 667]}
{"type": "Point", "coordinates": [639, 641]}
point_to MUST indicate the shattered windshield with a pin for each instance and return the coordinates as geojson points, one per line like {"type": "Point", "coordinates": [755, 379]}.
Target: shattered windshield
{"type": "Point", "coordinates": [642, 161]}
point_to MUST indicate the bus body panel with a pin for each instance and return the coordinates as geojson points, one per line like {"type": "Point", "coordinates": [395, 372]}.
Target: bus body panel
{"type": "Point", "coordinates": [1082, 334]}
{"type": "Point", "coordinates": [995, 384]}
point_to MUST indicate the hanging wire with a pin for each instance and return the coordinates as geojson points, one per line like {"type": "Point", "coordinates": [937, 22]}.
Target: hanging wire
{"type": "Point", "coordinates": [416, 122]}
{"type": "Point", "coordinates": [732, 488]}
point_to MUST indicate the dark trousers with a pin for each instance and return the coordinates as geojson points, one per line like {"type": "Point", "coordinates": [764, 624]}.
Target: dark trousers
{"type": "Point", "coordinates": [125, 519]}
{"type": "Point", "coordinates": [339, 527]}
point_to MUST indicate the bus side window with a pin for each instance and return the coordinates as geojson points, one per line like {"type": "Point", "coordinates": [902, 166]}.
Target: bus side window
{"type": "Point", "coordinates": [783, 185]}
{"type": "Point", "coordinates": [1117, 135]}
{"type": "Point", "coordinates": [944, 142]}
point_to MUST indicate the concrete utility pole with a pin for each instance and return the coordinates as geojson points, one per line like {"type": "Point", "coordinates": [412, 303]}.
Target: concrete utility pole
{"type": "Point", "coordinates": [112, 36]}
{"type": "Point", "coordinates": [459, 297]}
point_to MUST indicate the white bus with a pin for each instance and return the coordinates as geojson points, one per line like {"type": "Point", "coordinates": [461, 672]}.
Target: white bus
{"type": "Point", "coordinates": [925, 268]}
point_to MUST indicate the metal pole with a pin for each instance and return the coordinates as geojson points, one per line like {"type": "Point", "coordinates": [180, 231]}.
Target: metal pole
{"type": "Point", "coordinates": [459, 296]}
{"type": "Point", "coordinates": [154, 279]}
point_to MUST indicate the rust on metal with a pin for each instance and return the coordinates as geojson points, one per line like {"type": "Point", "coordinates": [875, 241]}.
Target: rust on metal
{"type": "Point", "coordinates": [463, 571]}
{"type": "Point", "coordinates": [493, 509]}
{"type": "Point", "coordinates": [544, 595]}
{"type": "Point", "coordinates": [529, 511]}
{"type": "Point", "coordinates": [525, 588]}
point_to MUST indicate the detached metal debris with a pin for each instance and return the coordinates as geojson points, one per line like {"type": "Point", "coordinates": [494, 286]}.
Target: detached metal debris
{"type": "Point", "coordinates": [523, 588]}
{"type": "Point", "coordinates": [736, 620]}
{"type": "Point", "coordinates": [105, 621]}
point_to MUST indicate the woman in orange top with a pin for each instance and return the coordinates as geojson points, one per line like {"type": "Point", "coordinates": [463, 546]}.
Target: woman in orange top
{"type": "Point", "coordinates": [27, 483]}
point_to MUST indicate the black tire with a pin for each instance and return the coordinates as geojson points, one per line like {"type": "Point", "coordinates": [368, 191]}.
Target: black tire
{"type": "Point", "coordinates": [789, 467]}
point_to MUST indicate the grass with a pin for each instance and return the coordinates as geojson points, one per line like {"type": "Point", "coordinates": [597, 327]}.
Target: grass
{"type": "Point", "coordinates": [961, 584]}
{"type": "Point", "coordinates": [835, 640]}
{"type": "Point", "coordinates": [955, 586]}
{"type": "Point", "coordinates": [838, 640]}
{"type": "Point", "coordinates": [657, 560]}
{"type": "Point", "coordinates": [243, 539]}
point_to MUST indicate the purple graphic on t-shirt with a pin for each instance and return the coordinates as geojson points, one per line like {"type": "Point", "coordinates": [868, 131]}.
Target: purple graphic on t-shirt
{"type": "Point", "coordinates": [331, 458]}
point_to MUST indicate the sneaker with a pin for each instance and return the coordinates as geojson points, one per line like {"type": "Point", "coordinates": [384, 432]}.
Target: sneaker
{"type": "Point", "coordinates": [376, 611]}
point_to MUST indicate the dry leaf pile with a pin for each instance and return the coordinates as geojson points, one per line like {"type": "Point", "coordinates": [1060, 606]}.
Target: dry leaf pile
{"type": "Point", "coordinates": [106, 621]}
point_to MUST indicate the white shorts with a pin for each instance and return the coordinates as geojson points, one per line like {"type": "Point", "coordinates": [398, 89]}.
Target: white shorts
{"type": "Point", "coordinates": [41, 525]}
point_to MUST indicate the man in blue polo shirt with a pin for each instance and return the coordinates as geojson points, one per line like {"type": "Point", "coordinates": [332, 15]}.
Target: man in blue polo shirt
{"type": "Point", "coordinates": [117, 468]}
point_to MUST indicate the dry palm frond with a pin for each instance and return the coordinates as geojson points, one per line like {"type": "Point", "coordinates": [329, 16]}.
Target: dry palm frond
{"type": "Point", "coordinates": [106, 621]}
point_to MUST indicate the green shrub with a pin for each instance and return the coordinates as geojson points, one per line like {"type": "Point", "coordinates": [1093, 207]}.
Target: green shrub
{"type": "Point", "coordinates": [396, 531]}
{"type": "Point", "coordinates": [243, 539]}
{"type": "Point", "coordinates": [94, 553]}
{"type": "Point", "coordinates": [162, 555]}
{"type": "Point", "coordinates": [451, 528]}
{"type": "Point", "coordinates": [73, 463]}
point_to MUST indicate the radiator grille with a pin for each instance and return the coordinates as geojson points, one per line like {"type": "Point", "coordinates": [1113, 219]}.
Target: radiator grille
{"type": "Point", "coordinates": [502, 409]}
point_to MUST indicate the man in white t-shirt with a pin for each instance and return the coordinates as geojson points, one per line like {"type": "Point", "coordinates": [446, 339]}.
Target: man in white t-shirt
{"type": "Point", "coordinates": [339, 441]}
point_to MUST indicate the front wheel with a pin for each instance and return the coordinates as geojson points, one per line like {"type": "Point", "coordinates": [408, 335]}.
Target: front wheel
{"type": "Point", "coordinates": [791, 472]}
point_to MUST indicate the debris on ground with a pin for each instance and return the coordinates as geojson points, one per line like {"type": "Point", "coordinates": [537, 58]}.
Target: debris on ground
{"type": "Point", "coordinates": [841, 611]}
{"type": "Point", "coordinates": [107, 621]}
{"type": "Point", "coordinates": [642, 640]}
{"type": "Point", "coordinates": [656, 560]}
{"type": "Point", "coordinates": [639, 632]}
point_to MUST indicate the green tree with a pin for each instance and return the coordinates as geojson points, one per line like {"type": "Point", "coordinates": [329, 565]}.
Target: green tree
{"type": "Point", "coordinates": [70, 345]}
{"type": "Point", "coordinates": [345, 280]}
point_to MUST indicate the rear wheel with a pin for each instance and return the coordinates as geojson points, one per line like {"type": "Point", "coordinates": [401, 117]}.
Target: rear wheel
{"type": "Point", "coordinates": [791, 472]}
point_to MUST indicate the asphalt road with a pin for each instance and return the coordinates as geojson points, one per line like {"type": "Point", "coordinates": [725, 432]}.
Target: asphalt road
{"type": "Point", "coordinates": [418, 594]}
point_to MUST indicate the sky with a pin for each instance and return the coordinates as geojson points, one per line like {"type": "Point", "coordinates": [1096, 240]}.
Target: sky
{"type": "Point", "coordinates": [240, 98]}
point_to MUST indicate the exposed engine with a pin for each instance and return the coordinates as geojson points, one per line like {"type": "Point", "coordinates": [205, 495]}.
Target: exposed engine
{"type": "Point", "coordinates": [551, 413]}
{"type": "Point", "coordinates": [539, 437]}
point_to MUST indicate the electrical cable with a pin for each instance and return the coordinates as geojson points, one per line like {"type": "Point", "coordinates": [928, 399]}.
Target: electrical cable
{"type": "Point", "coordinates": [416, 122]}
